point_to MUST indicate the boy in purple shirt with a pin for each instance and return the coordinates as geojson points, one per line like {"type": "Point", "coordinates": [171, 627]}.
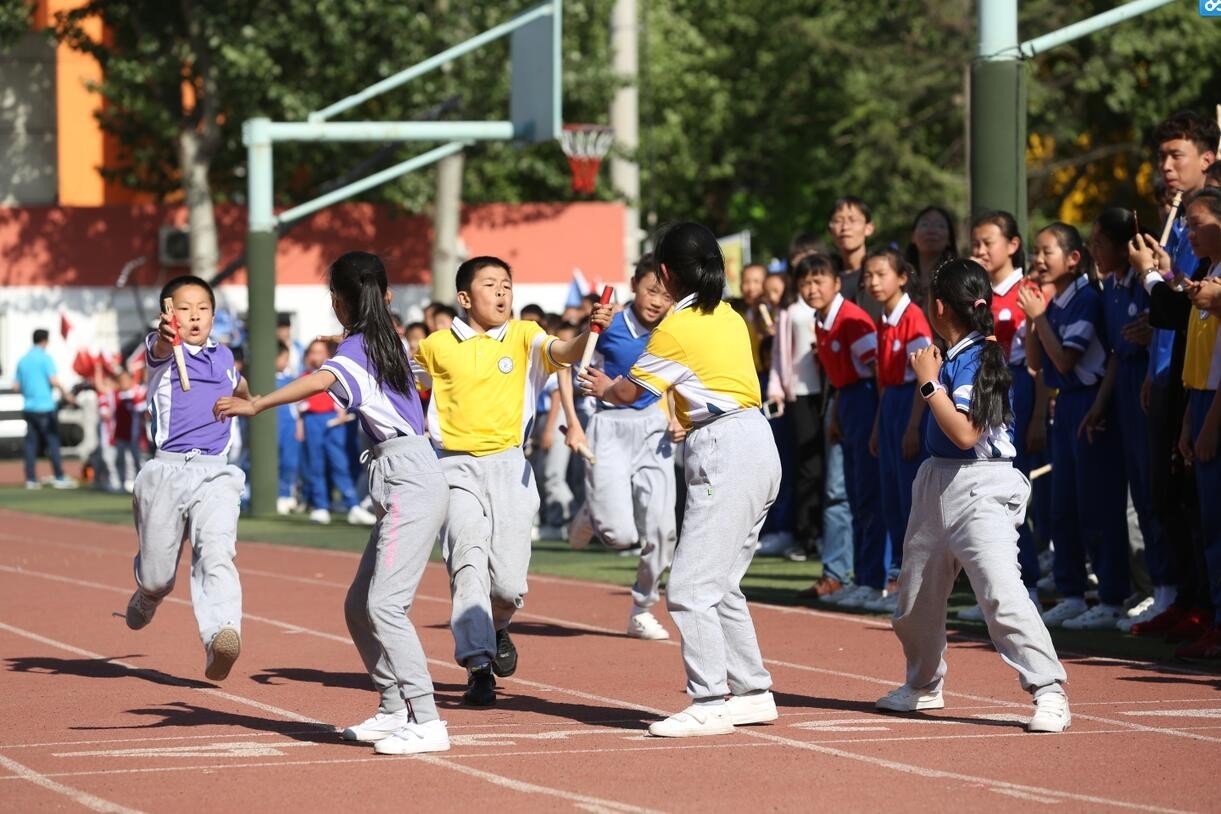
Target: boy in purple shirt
{"type": "Point", "coordinates": [189, 492]}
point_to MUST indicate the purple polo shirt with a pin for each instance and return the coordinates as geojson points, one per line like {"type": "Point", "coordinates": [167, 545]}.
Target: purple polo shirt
{"type": "Point", "coordinates": [384, 413]}
{"type": "Point", "coordinates": [182, 421]}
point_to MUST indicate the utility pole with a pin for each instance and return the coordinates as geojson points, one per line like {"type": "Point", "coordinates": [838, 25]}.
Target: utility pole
{"type": "Point", "coordinates": [625, 119]}
{"type": "Point", "coordinates": [445, 226]}
{"type": "Point", "coordinates": [998, 114]}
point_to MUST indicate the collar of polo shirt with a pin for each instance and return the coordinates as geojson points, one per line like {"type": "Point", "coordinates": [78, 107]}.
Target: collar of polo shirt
{"type": "Point", "coordinates": [685, 302]}
{"type": "Point", "coordinates": [832, 313]}
{"type": "Point", "coordinates": [1066, 296]}
{"type": "Point", "coordinates": [892, 319]}
{"type": "Point", "coordinates": [1008, 283]}
{"type": "Point", "coordinates": [194, 349]}
{"type": "Point", "coordinates": [463, 332]}
{"type": "Point", "coordinates": [970, 339]}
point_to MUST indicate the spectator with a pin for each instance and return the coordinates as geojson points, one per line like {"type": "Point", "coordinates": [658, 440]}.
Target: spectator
{"type": "Point", "coordinates": [36, 380]}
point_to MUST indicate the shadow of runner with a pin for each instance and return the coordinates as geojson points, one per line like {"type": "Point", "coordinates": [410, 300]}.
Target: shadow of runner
{"type": "Point", "coordinates": [275, 676]}
{"type": "Point", "coordinates": [99, 668]}
{"type": "Point", "coordinates": [607, 716]}
{"type": "Point", "coordinates": [183, 714]}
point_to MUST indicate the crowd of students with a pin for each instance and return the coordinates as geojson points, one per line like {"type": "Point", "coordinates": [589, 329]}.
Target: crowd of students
{"type": "Point", "coordinates": [1110, 339]}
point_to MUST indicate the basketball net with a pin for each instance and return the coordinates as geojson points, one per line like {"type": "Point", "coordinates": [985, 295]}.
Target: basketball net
{"type": "Point", "coordinates": [586, 145]}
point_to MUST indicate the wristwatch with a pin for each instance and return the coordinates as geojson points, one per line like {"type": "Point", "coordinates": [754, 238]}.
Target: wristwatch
{"type": "Point", "coordinates": [929, 388]}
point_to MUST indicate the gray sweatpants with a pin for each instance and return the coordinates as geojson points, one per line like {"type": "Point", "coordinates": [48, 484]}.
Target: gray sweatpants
{"type": "Point", "coordinates": [486, 545]}
{"type": "Point", "coordinates": [188, 497]}
{"type": "Point", "coordinates": [965, 516]}
{"type": "Point", "coordinates": [733, 475]}
{"type": "Point", "coordinates": [410, 497]}
{"type": "Point", "coordinates": [630, 491]}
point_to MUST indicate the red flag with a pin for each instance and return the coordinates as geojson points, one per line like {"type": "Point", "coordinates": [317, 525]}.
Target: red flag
{"type": "Point", "coordinates": [65, 327]}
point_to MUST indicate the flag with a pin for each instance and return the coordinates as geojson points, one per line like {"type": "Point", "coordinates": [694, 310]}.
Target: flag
{"type": "Point", "coordinates": [65, 327]}
{"type": "Point", "coordinates": [580, 288]}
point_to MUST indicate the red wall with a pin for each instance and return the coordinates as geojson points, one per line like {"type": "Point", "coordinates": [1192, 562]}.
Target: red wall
{"type": "Point", "coordinates": [87, 246]}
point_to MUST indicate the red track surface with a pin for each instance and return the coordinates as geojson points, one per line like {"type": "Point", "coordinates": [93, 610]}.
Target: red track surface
{"type": "Point", "coordinates": [99, 717]}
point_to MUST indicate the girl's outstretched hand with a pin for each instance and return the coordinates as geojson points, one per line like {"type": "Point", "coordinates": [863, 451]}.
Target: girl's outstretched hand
{"type": "Point", "coordinates": [231, 406]}
{"type": "Point", "coordinates": [926, 363]}
{"type": "Point", "coordinates": [595, 383]}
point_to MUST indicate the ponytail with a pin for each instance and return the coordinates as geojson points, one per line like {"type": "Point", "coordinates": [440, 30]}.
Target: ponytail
{"type": "Point", "coordinates": [358, 279]}
{"type": "Point", "coordinates": [693, 258]}
{"type": "Point", "coordinates": [965, 288]}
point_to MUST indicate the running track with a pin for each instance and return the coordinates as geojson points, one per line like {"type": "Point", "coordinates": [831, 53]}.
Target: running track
{"type": "Point", "coordinates": [99, 718]}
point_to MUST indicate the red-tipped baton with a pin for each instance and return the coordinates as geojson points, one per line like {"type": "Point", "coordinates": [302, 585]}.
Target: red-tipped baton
{"type": "Point", "coordinates": [179, 360]}
{"type": "Point", "coordinates": [594, 332]}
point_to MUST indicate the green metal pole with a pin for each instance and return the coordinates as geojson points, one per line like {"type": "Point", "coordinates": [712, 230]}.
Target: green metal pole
{"type": "Point", "coordinates": [998, 114]}
{"type": "Point", "coordinates": [261, 315]}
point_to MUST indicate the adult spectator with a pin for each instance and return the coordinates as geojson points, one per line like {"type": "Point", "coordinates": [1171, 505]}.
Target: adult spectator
{"type": "Point", "coordinates": [37, 383]}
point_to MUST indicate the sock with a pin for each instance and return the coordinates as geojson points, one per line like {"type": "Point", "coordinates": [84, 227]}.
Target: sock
{"type": "Point", "coordinates": [423, 708]}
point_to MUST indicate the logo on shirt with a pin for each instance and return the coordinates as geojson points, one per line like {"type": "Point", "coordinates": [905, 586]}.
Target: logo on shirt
{"type": "Point", "coordinates": [1131, 309]}
{"type": "Point", "coordinates": [1005, 315]}
{"type": "Point", "coordinates": [897, 344]}
{"type": "Point", "coordinates": [505, 364]}
{"type": "Point", "coordinates": [835, 346]}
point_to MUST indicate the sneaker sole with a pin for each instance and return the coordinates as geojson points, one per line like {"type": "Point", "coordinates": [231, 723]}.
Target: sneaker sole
{"type": "Point", "coordinates": [1049, 731]}
{"type": "Point", "coordinates": [382, 748]}
{"type": "Point", "coordinates": [920, 706]}
{"type": "Point", "coordinates": [691, 733]}
{"type": "Point", "coordinates": [762, 717]}
{"type": "Point", "coordinates": [226, 647]}
{"type": "Point", "coordinates": [648, 637]}
{"type": "Point", "coordinates": [352, 736]}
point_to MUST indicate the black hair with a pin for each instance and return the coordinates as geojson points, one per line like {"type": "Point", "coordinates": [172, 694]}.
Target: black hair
{"type": "Point", "coordinates": [1212, 175]}
{"type": "Point", "coordinates": [443, 310]}
{"type": "Point", "coordinates": [951, 248]}
{"type": "Point", "coordinates": [815, 264]}
{"type": "Point", "coordinates": [532, 308]}
{"type": "Point", "coordinates": [851, 202]}
{"type": "Point", "coordinates": [803, 243]}
{"type": "Point", "coordinates": [646, 265]}
{"type": "Point", "coordinates": [966, 289]}
{"type": "Point", "coordinates": [468, 270]}
{"type": "Point", "coordinates": [284, 320]}
{"type": "Point", "coordinates": [1189, 126]}
{"type": "Point", "coordinates": [1070, 241]}
{"type": "Point", "coordinates": [1209, 197]}
{"type": "Point", "coordinates": [1009, 229]}
{"type": "Point", "coordinates": [897, 262]}
{"type": "Point", "coordinates": [693, 258]}
{"type": "Point", "coordinates": [281, 348]}
{"type": "Point", "coordinates": [173, 285]}
{"type": "Point", "coordinates": [1117, 225]}
{"type": "Point", "coordinates": [41, 335]}
{"type": "Point", "coordinates": [412, 326]}
{"type": "Point", "coordinates": [358, 279]}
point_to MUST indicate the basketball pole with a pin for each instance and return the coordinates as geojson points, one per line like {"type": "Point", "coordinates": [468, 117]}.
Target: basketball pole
{"type": "Point", "coordinates": [625, 120]}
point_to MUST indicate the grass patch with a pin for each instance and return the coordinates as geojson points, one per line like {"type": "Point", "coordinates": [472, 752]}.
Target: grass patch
{"type": "Point", "coordinates": [769, 580]}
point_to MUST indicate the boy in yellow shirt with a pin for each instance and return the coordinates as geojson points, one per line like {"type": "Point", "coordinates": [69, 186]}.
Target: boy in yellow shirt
{"type": "Point", "coordinates": [485, 373]}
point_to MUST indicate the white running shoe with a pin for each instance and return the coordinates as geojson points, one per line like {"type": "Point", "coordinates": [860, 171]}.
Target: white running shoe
{"type": "Point", "coordinates": [140, 610]}
{"type": "Point", "coordinates": [285, 505]}
{"type": "Point", "coordinates": [1063, 610]}
{"type": "Point", "coordinates": [1099, 617]}
{"type": "Point", "coordinates": [774, 544]}
{"type": "Point", "coordinates": [64, 482]}
{"type": "Point", "coordinates": [1050, 713]}
{"type": "Point", "coordinates": [885, 604]}
{"type": "Point", "coordinates": [358, 516]}
{"type": "Point", "coordinates": [33, 485]}
{"type": "Point", "coordinates": [839, 596]}
{"type": "Point", "coordinates": [1046, 584]}
{"type": "Point", "coordinates": [223, 650]}
{"type": "Point", "coordinates": [581, 529]}
{"type": "Point", "coordinates": [861, 598]}
{"type": "Point", "coordinates": [415, 739]}
{"type": "Point", "coordinates": [972, 614]}
{"type": "Point", "coordinates": [907, 699]}
{"type": "Point", "coordinates": [694, 721]}
{"type": "Point", "coordinates": [381, 725]}
{"type": "Point", "coordinates": [751, 709]}
{"type": "Point", "coordinates": [644, 625]}
{"type": "Point", "coordinates": [1139, 614]}
{"type": "Point", "coordinates": [320, 516]}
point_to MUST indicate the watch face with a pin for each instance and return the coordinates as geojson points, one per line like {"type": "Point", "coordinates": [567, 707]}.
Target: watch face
{"type": "Point", "coordinates": [927, 389]}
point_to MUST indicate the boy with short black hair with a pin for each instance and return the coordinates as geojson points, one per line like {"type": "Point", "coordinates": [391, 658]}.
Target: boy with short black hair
{"type": "Point", "coordinates": [484, 373]}
{"type": "Point", "coordinates": [851, 225]}
{"type": "Point", "coordinates": [189, 491]}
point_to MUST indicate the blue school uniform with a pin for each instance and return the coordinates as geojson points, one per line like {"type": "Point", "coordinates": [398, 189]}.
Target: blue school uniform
{"type": "Point", "coordinates": [286, 438]}
{"type": "Point", "coordinates": [1022, 395]}
{"type": "Point", "coordinates": [1124, 299]}
{"type": "Point", "coordinates": [1089, 492]}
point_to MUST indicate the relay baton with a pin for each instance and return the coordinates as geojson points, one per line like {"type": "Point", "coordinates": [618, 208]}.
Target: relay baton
{"type": "Point", "coordinates": [168, 306]}
{"type": "Point", "coordinates": [586, 452]}
{"type": "Point", "coordinates": [766, 314]}
{"type": "Point", "coordinates": [1174, 213]}
{"type": "Point", "coordinates": [595, 331]}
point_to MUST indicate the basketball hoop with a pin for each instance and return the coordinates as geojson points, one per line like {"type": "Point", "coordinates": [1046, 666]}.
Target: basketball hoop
{"type": "Point", "coordinates": [586, 145]}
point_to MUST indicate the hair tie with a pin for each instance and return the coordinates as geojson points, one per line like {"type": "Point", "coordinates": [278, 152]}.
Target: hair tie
{"type": "Point", "coordinates": [990, 338]}
{"type": "Point", "coordinates": [979, 302]}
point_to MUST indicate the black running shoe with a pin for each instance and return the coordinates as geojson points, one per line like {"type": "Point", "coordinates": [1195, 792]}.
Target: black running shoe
{"type": "Point", "coordinates": [480, 687]}
{"type": "Point", "coordinates": [505, 663]}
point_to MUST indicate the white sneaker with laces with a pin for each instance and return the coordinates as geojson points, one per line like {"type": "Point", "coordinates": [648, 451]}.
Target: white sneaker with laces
{"type": "Point", "coordinates": [381, 725]}
{"type": "Point", "coordinates": [320, 516]}
{"type": "Point", "coordinates": [907, 699]}
{"type": "Point", "coordinates": [358, 516]}
{"type": "Point", "coordinates": [1050, 713]}
{"type": "Point", "coordinates": [1099, 617]}
{"type": "Point", "coordinates": [140, 610]}
{"type": "Point", "coordinates": [972, 614]}
{"type": "Point", "coordinates": [1063, 610]}
{"type": "Point", "coordinates": [65, 482]}
{"type": "Point", "coordinates": [695, 721]}
{"type": "Point", "coordinates": [33, 484]}
{"type": "Point", "coordinates": [285, 505]}
{"type": "Point", "coordinates": [644, 625]}
{"type": "Point", "coordinates": [415, 739]}
{"type": "Point", "coordinates": [751, 709]}
{"type": "Point", "coordinates": [1144, 612]}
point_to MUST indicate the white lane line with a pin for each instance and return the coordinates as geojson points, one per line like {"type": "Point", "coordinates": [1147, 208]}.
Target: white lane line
{"type": "Point", "coordinates": [875, 761]}
{"type": "Point", "coordinates": [89, 801]}
{"type": "Point", "coordinates": [293, 628]}
{"type": "Point", "coordinates": [164, 678]}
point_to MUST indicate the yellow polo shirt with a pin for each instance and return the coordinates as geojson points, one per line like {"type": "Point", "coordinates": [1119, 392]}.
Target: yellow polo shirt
{"type": "Point", "coordinates": [484, 385]}
{"type": "Point", "coordinates": [706, 358]}
{"type": "Point", "coordinates": [1202, 330]}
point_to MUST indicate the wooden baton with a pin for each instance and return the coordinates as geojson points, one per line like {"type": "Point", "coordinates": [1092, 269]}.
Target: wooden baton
{"type": "Point", "coordinates": [595, 331]}
{"type": "Point", "coordinates": [1174, 213]}
{"type": "Point", "coordinates": [180, 360]}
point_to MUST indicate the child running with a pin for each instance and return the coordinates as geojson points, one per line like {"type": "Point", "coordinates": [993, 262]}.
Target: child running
{"type": "Point", "coordinates": [966, 503]}
{"type": "Point", "coordinates": [484, 372]}
{"type": "Point", "coordinates": [189, 492]}
{"type": "Point", "coordinates": [702, 350]}
{"type": "Point", "coordinates": [369, 375]}
{"type": "Point", "coordinates": [630, 491]}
